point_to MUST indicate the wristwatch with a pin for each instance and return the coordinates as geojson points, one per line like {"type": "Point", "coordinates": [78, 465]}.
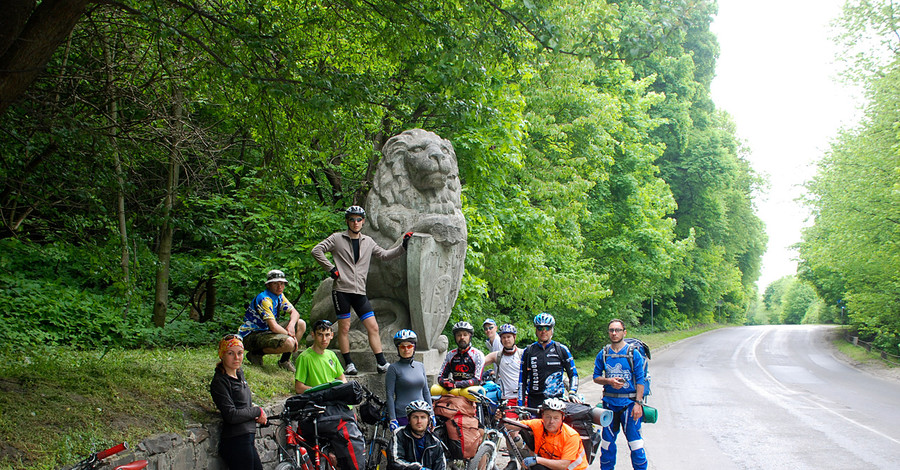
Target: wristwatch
{"type": "Point", "coordinates": [639, 402]}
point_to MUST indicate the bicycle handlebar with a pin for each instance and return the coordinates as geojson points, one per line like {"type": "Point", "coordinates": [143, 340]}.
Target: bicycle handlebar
{"type": "Point", "coordinates": [112, 451]}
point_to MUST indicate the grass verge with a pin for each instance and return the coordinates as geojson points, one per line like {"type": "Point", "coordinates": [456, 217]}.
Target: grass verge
{"type": "Point", "coordinates": [57, 405]}
{"type": "Point", "coordinates": [654, 340]}
{"type": "Point", "coordinates": [860, 355]}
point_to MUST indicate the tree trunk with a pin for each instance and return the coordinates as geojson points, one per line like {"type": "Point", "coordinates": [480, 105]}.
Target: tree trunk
{"type": "Point", "coordinates": [165, 240]}
{"type": "Point", "coordinates": [27, 46]}
{"type": "Point", "coordinates": [120, 180]}
{"type": "Point", "coordinates": [209, 308]}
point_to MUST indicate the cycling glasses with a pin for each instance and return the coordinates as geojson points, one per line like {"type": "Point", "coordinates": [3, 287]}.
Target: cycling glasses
{"type": "Point", "coordinates": [355, 219]}
{"type": "Point", "coordinates": [616, 330]}
{"type": "Point", "coordinates": [543, 328]}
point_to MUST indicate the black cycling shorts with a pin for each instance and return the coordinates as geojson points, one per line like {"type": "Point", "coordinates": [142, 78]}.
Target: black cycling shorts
{"type": "Point", "coordinates": [343, 301]}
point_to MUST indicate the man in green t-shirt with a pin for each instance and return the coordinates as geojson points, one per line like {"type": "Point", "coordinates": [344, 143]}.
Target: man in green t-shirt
{"type": "Point", "coordinates": [319, 365]}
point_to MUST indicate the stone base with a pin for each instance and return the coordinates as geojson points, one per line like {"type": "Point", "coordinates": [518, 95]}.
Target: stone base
{"type": "Point", "coordinates": [365, 364]}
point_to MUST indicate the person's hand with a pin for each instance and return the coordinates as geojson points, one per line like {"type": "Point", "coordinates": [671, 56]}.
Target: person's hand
{"type": "Point", "coordinates": [637, 411]}
{"type": "Point", "coordinates": [618, 382]}
{"type": "Point", "coordinates": [262, 419]}
{"type": "Point", "coordinates": [393, 425]}
{"type": "Point", "coordinates": [576, 398]}
{"type": "Point", "coordinates": [406, 237]}
{"type": "Point", "coordinates": [334, 273]}
{"type": "Point", "coordinates": [529, 461]}
{"type": "Point", "coordinates": [447, 383]}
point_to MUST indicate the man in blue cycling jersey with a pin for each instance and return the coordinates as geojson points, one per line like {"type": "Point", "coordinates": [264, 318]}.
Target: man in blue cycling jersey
{"type": "Point", "coordinates": [543, 365]}
{"type": "Point", "coordinates": [623, 393]}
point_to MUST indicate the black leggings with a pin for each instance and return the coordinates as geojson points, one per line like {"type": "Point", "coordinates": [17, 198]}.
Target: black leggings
{"type": "Point", "coordinates": [239, 453]}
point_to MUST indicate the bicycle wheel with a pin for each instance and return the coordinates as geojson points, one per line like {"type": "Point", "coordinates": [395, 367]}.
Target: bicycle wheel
{"type": "Point", "coordinates": [376, 456]}
{"type": "Point", "coordinates": [484, 457]}
{"type": "Point", "coordinates": [286, 466]}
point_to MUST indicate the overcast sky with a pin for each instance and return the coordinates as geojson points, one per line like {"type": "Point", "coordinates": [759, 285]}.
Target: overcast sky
{"type": "Point", "coordinates": [777, 78]}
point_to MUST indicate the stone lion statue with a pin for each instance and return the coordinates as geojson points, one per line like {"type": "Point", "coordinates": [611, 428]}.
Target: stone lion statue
{"type": "Point", "coordinates": [416, 188]}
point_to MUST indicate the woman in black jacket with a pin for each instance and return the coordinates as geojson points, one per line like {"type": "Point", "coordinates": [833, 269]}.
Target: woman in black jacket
{"type": "Point", "coordinates": [231, 395]}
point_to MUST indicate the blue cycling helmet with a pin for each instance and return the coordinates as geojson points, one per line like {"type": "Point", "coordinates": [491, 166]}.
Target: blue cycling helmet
{"type": "Point", "coordinates": [508, 328]}
{"type": "Point", "coordinates": [544, 319]}
{"type": "Point", "coordinates": [405, 335]}
{"type": "Point", "coordinates": [489, 321]}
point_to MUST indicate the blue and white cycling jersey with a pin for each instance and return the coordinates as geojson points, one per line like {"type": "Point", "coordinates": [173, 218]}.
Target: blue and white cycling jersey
{"type": "Point", "coordinates": [265, 306]}
{"type": "Point", "coordinates": [617, 366]}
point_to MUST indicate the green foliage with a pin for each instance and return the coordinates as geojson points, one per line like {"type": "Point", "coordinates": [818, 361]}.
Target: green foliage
{"type": "Point", "coordinates": [597, 173]}
{"type": "Point", "coordinates": [850, 253]}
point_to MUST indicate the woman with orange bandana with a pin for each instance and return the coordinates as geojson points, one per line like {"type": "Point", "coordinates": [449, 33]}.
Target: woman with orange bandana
{"type": "Point", "coordinates": [231, 395]}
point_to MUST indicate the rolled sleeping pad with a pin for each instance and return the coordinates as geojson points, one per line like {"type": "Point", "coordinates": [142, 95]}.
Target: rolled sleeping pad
{"type": "Point", "coordinates": [650, 414]}
{"type": "Point", "coordinates": [601, 416]}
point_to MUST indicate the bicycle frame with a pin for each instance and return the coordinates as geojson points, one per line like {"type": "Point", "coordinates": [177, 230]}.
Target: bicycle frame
{"type": "Point", "coordinates": [302, 446]}
{"type": "Point", "coordinates": [378, 442]}
{"type": "Point", "coordinates": [93, 461]}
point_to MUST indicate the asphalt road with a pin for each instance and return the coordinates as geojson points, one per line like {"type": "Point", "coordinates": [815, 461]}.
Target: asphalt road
{"type": "Point", "coordinates": [765, 397]}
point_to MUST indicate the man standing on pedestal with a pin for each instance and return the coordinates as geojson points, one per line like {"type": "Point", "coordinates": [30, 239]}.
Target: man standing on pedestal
{"type": "Point", "coordinates": [352, 252]}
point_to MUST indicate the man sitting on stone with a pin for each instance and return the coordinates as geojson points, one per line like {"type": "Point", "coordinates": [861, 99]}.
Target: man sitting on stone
{"type": "Point", "coordinates": [413, 446]}
{"type": "Point", "coordinates": [266, 330]}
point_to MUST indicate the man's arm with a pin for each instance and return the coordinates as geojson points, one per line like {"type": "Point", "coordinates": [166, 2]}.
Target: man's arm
{"type": "Point", "coordinates": [300, 387]}
{"type": "Point", "coordinates": [571, 370]}
{"type": "Point", "coordinates": [523, 381]}
{"type": "Point", "coordinates": [386, 255]}
{"type": "Point", "coordinates": [320, 249]}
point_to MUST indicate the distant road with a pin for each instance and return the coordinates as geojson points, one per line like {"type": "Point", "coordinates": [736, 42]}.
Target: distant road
{"type": "Point", "coordinates": [765, 397]}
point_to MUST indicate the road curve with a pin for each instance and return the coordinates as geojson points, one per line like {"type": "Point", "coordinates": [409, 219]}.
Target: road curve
{"type": "Point", "coordinates": [764, 397]}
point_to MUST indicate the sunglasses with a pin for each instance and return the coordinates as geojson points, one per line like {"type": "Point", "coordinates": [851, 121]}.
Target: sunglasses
{"type": "Point", "coordinates": [544, 328]}
{"type": "Point", "coordinates": [355, 219]}
{"type": "Point", "coordinates": [230, 336]}
{"type": "Point", "coordinates": [407, 346]}
{"type": "Point", "coordinates": [616, 330]}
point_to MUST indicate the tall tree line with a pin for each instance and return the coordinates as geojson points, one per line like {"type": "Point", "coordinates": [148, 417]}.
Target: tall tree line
{"type": "Point", "coordinates": [851, 253]}
{"type": "Point", "coordinates": [175, 150]}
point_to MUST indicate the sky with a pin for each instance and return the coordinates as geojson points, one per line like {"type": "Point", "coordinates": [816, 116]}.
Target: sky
{"type": "Point", "coordinates": [776, 76]}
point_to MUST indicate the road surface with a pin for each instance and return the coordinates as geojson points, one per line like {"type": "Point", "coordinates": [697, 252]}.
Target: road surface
{"type": "Point", "coordinates": [765, 397]}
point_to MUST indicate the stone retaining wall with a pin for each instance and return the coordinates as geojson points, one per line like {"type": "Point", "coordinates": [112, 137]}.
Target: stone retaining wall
{"type": "Point", "coordinates": [197, 448]}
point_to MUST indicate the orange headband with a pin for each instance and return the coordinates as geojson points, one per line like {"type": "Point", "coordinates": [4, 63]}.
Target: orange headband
{"type": "Point", "coordinates": [226, 344]}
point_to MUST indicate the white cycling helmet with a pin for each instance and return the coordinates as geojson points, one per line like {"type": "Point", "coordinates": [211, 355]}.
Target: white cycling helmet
{"type": "Point", "coordinates": [463, 326]}
{"type": "Point", "coordinates": [553, 404]}
{"type": "Point", "coordinates": [418, 405]}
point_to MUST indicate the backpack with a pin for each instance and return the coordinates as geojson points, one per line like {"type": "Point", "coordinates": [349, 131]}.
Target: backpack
{"type": "Point", "coordinates": [633, 344]}
{"type": "Point", "coordinates": [579, 417]}
{"type": "Point", "coordinates": [463, 430]}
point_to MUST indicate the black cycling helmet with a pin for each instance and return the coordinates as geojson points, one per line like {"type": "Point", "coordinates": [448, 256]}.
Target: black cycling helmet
{"type": "Point", "coordinates": [544, 319]}
{"type": "Point", "coordinates": [405, 335]}
{"type": "Point", "coordinates": [355, 210]}
{"type": "Point", "coordinates": [463, 326]}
